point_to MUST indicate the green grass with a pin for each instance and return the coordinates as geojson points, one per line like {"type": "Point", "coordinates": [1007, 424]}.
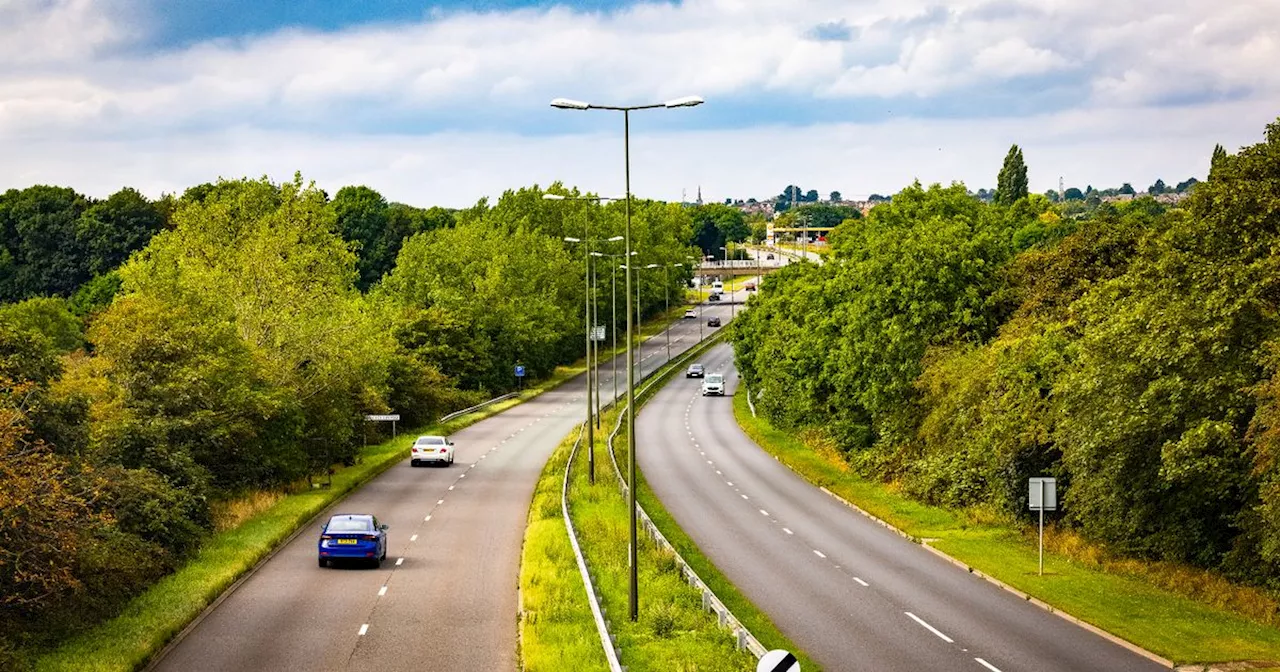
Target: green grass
{"type": "Point", "coordinates": [150, 620]}
{"type": "Point", "coordinates": [557, 630]}
{"type": "Point", "coordinates": [1159, 620]}
{"type": "Point", "coordinates": [672, 633]}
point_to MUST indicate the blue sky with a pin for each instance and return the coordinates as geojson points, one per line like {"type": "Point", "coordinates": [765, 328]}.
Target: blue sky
{"type": "Point", "coordinates": [446, 102]}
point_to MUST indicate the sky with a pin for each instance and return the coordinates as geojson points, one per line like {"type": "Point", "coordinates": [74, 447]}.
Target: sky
{"type": "Point", "coordinates": [443, 103]}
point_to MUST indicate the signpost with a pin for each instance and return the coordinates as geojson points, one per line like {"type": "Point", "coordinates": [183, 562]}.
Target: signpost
{"type": "Point", "coordinates": [778, 660]}
{"type": "Point", "coordinates": [520, 376]}
{"type": "Point", "coordinates": [393, 419]}
{"type": "Point", "coordinates": [1042, 495]}
{"type": "Point", "coordinates": [597, 333]}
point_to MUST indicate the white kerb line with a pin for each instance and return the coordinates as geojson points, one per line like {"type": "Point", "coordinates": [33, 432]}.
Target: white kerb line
{"type": "Point", "coordinates": [930, 628]}
{"type": "Point", "coordinates": [987, 665]}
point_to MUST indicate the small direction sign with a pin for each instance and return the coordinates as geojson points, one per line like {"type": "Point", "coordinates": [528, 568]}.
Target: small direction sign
{"type": "Point", "coordinates": [597, 333]}
{"type": "Point", "coordinates": [519, 372]}
{"type": "Point", "coordinates": [1043, 494]}
{"type": "Point", "coordinates": [382, 418]}
{"type": "Point", "coordinates": [778, 660]}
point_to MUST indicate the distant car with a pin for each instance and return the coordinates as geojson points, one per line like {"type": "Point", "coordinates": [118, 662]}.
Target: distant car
{"type": "Point", "coordinates": [769, 256]}
{"type": "Point", "coordinates": [431, 449]}
{"type": "Point", "coordinates": [713, 297]}
{"type": "Point", "coordinates": [691, 313]}
{"type": "Point", "coordinates": [695, 371]}
{"type": "Point", "coordinates": [713, 384]}
{"type": "Point", "coordinates": [713, 322]}
{"type": "Point", "coordinates": [750, 286]}
{"type": "Point", "coordinates": [353, 536]}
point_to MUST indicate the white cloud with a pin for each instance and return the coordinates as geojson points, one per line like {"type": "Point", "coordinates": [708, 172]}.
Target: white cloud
{"type": "Point", "coordinates": [1120, 145]}
{"type": "Point", "coordinates": [78, 107]}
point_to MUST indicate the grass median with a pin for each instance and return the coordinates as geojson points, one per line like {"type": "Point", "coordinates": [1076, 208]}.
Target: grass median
{"type": "Point", "coordinates": [149, 621]}
{"type": "Point", "coordinates": [1183, 614]}
{"type": "Point", "coordinates": [672, 632]}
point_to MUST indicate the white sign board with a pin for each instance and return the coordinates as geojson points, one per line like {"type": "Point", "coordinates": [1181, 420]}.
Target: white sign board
{"type": "Point", "coordinates": [382, 418]}
{"type": "Point", "coordinates": [778, 660]}
{"type": "Point", "coordinates": [1046, 487]}
{"type": "Point", "coordinates": [597, 333]}
{"type": "Point", "coordinates": [768, 236]}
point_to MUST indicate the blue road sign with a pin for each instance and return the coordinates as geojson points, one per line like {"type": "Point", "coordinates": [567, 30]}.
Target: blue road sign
{"type": "Point", "coordinates": [519, 372]}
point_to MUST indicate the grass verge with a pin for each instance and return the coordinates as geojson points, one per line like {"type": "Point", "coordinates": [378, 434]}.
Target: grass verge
{"type": "Point", "coordinates": [153, 618]}
{"type": "Point", "coordinates": [1125, 603]}
{"type": "Point", "coordinates": [672, 632]}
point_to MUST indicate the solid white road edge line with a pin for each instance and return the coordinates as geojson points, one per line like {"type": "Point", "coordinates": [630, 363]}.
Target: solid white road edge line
{"type": "Point", "coordinates": [930, 628]}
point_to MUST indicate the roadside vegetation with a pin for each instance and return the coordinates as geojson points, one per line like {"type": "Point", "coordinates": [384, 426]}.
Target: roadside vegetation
{"type": "Point", "coordinates": [169, 368]}
{"type": "Point", "coordinates": [951, 349]}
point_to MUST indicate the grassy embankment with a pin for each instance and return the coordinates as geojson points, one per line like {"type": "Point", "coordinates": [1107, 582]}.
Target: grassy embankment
{"type": "Point", "coordinates": [1180, 613]}
{"type": "Point", "coordinates": [672, 632]}
{"type": "Point", "coordinates": [249, 529]}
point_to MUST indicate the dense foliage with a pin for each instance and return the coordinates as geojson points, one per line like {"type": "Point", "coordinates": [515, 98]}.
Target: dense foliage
{"type": "Point", "coordinates": [958, 348]}
{"type": "Point", "coordinates": [158, 357]}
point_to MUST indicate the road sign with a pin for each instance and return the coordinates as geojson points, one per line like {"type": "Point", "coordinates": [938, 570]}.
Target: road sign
{"type": "Point", "coordinates": [597, 333]}
{"type": "Point", "coordinates": [383, 418]}
{"type": "Point", "coordinates": [1042, 495]}
{"type": "Point", "coordinates": [1043, 490]}
{"type": "Point", "coordinates": [519, 372]}
{"type": "Point", "coordinates": [768, 235]}
{"type": "Point", "coordinates": [778, 660]}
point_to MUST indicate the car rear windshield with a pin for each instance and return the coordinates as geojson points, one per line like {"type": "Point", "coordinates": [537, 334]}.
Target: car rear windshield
{"type": "Point", "coordinates": [431, 441]}
{"type": "Point", "coordinates": [715, 378]}
{"type": "Point", "coordinates": [345, 524]}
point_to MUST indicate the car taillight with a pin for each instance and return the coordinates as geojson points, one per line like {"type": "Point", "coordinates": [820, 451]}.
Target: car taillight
{"type": "Point", "coordinates": [444, 450]}
{"type": "Point", "coordinates": [325, 537]}
{"type": "Point", "coordinates": [370, 537]}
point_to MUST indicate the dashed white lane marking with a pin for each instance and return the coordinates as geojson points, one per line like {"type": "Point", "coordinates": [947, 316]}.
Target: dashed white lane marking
{"type": "Point", "coordinates": [862, 583]}
{"type": "Point", "coordinates": [399, 561]}
{"type": "Point", "coordinates": [718, 473]}
{"type": "Point", "coordinates": [987, 665]}
{"type": "Point", "coordinates": [787, 531]}
{"type": "Point", "coordinates": [710, 462]}
{"type": "Point", "coordinates": [930, 628]}
{"type": "Point", "coordinates": [745, 497]}
{"type": "Point", "coordinates": [363, 629]}
{"type": "Point", "coordinates": [413, 538]}
{"type": "Point", "coordinates": [818, 553]}
{"type": "Point", "coordinates": [730, 483]}
{"type": "Point", "coordinates": [439, 502]}
{"type": "Point", "coordinates": [382, 591]}
{"type": "Point", "coordinates": [764, 513]}
{"type": "Point", "coordinates": [427, 519]}
{"type": "Point", "coordinates": [462, 476]}
{"type": "Point", "coordinates": [451, 487]}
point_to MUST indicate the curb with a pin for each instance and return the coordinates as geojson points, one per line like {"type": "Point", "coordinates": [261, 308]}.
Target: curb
{"type": "Point", "coordinates": [1002, 585]}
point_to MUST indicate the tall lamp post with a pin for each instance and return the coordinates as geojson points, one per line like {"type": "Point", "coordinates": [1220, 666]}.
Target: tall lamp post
{"type": "Point", "coordinates": [666, 279]}
{"type": "Point", "coordinates": [633, 600]}
{"type": "Point", "coordinates": [732, 312]}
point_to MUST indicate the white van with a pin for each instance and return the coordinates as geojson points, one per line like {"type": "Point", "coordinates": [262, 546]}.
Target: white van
{"type": "Point", "coordinates": [717, 287]}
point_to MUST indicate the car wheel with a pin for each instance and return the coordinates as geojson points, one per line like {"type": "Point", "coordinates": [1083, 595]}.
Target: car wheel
{"type": "Point", "coordinates": [413, 463]}
{"type": "Point", "coordinates": [451, 459]}
{"type": "Point", "coordinates": [324, 563]}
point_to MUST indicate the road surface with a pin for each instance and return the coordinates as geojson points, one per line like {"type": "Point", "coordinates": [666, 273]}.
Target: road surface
{"type": "Point", "coordinates": [445, 599]}
{"type": "Point", "coordinates": [852, 594]}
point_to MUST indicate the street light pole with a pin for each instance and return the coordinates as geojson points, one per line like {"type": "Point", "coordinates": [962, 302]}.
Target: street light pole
{"type": "Point", "coordinates": [586, 318]}
{"type": "Point", "coordinates": [633, 601]}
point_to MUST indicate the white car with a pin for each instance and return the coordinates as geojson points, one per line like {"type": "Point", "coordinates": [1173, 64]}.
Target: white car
{"type": "Point", "coordinates": [427, 449]}
{"type": "Point", "coordinates": [691, 313]}
{"type": "Point", "coordinates": [713, 384]}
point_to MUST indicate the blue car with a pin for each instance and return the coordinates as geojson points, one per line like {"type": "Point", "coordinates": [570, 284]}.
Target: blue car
{"type": "Point", "coordinates": [353, 535]}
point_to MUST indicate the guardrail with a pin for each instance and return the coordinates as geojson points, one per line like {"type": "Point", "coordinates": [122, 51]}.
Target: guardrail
{"type": "Point", "coordinates": [606, 638]}
{"type": "Point", "coordinates": [458, 414]}
{"type": "Point", "coordinates": [710, 601]}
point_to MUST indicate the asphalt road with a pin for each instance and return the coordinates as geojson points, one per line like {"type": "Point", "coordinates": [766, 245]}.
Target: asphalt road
{"type": "Point", "coordinates": [854, 595]}
{"type": "Point", "coordinates": [446, 597]}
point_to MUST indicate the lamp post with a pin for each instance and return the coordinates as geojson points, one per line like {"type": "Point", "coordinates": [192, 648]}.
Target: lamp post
{"type": "Point", "coordinates": [593, 350]}
{"type": "Point", "coordinates": [666, 279]}
{"type": "Point", "coordinates": [732, 311]}
{"type": "Point", "coordinates": [633, 601]}
{"type": "Point", "coordinates": [613, 314]}
{"type": "Point", "coordinates": [586, 318]}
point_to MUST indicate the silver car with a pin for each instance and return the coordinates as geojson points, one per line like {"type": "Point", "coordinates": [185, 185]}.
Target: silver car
{"type": "Point", "coordinates": [713, 384]}
{"type": "Point", "coordinates": [431, 449]}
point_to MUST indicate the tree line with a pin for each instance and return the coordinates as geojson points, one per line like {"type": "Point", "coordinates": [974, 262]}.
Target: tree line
{"type": "Point", "coordinates": [174, 354]}
{"type": "Point", "coordinates": [957, 348]}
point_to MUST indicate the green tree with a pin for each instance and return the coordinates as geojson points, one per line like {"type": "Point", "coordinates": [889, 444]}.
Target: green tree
{"type": "Point", "coordinates": [1073, 194]}
{"type": "Point", "coordinates": [1011, 184]}
{"type": "Point", "coordinates": [109, 231]}
{"type": "Point", "coordinates": [1157, 188]}
{"type": "Point", "coordinates": [1127, 189]}
{"type": "Point", "coordinates": [835, 197]}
